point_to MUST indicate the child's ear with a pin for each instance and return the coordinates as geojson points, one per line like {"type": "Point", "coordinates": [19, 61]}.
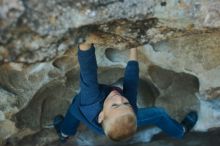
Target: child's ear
{"type": "Point", "coordinates": [101, 117]}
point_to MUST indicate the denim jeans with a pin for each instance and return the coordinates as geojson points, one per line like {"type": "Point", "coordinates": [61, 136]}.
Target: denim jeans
{"type": "Point", "coordinates": [70, 124]}
{"type": "Point", "coordinates": [159, 117]}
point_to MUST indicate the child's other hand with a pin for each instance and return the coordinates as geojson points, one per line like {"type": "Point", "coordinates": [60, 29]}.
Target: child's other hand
{"type": "Point", "coordinates": [89, 40]}
{"type": "Point", "coordinates": [133, 54]}
{"type": "Point", "coordinates": [92, 38]}
{"type": "Point", "coordinates": [85, 46]}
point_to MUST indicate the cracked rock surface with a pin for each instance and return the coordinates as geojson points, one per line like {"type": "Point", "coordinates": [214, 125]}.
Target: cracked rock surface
{"type": "Point", "coordinates": [179, 51]}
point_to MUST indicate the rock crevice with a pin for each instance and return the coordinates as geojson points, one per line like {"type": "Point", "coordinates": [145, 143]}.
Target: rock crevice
{"type": "Point", "coordinates": [178, 47]}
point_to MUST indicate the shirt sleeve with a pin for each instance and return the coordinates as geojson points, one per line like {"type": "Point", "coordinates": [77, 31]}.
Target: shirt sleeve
{"type": "Point", "coordinates": [130, 84]}
{"type": "Point", "coordinates": [89, 88]}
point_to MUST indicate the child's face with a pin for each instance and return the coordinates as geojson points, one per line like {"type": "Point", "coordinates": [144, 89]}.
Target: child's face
{"type": "Point", "coordinates": [116, 105]}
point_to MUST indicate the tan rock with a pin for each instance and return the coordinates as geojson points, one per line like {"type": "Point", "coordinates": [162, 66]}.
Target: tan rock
{"type": "Point", "coordinates": [7, 128]}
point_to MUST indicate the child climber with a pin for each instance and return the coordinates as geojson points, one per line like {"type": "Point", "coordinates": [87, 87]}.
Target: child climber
{"type": "Point", "coordinates": [110, 110]}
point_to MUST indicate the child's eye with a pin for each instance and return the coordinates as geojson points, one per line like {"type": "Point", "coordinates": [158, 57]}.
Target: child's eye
{"type": "Point", "coordinates": [126, 103]}
{"type": "Point", "coordinates": [115, 105]}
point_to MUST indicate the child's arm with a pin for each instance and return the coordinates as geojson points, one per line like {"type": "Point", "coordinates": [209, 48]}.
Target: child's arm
{"type": "Point", "coordinates": [131, 78]}
{"type": "Point", "coordinates": [88, 74]}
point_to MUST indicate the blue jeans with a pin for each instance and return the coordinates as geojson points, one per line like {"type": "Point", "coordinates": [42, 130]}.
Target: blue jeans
{"type": "Point", "coordinates": [159, 117]}
{"type": "Point", "coordinates": [70, 124]}
{"type": "Point", "coordinates": [145, 117]}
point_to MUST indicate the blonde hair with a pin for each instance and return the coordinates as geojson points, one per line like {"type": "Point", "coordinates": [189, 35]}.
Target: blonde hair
{"type": "Point", "coordinates": [121, 127]}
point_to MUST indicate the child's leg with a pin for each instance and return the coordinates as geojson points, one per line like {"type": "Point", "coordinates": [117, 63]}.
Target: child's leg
{"type": "Point", "coordinates": [69, 125]}
{"type": "Point", "coordinates": [158, 117]}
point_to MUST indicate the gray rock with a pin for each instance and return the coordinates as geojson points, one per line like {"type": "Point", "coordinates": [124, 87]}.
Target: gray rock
{"type": "Point", "coordinates": [178, 44]}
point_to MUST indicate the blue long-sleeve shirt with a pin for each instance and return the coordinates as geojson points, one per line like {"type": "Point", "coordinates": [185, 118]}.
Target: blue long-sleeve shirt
{"type": "Point", "coordinates": [87, 105]}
